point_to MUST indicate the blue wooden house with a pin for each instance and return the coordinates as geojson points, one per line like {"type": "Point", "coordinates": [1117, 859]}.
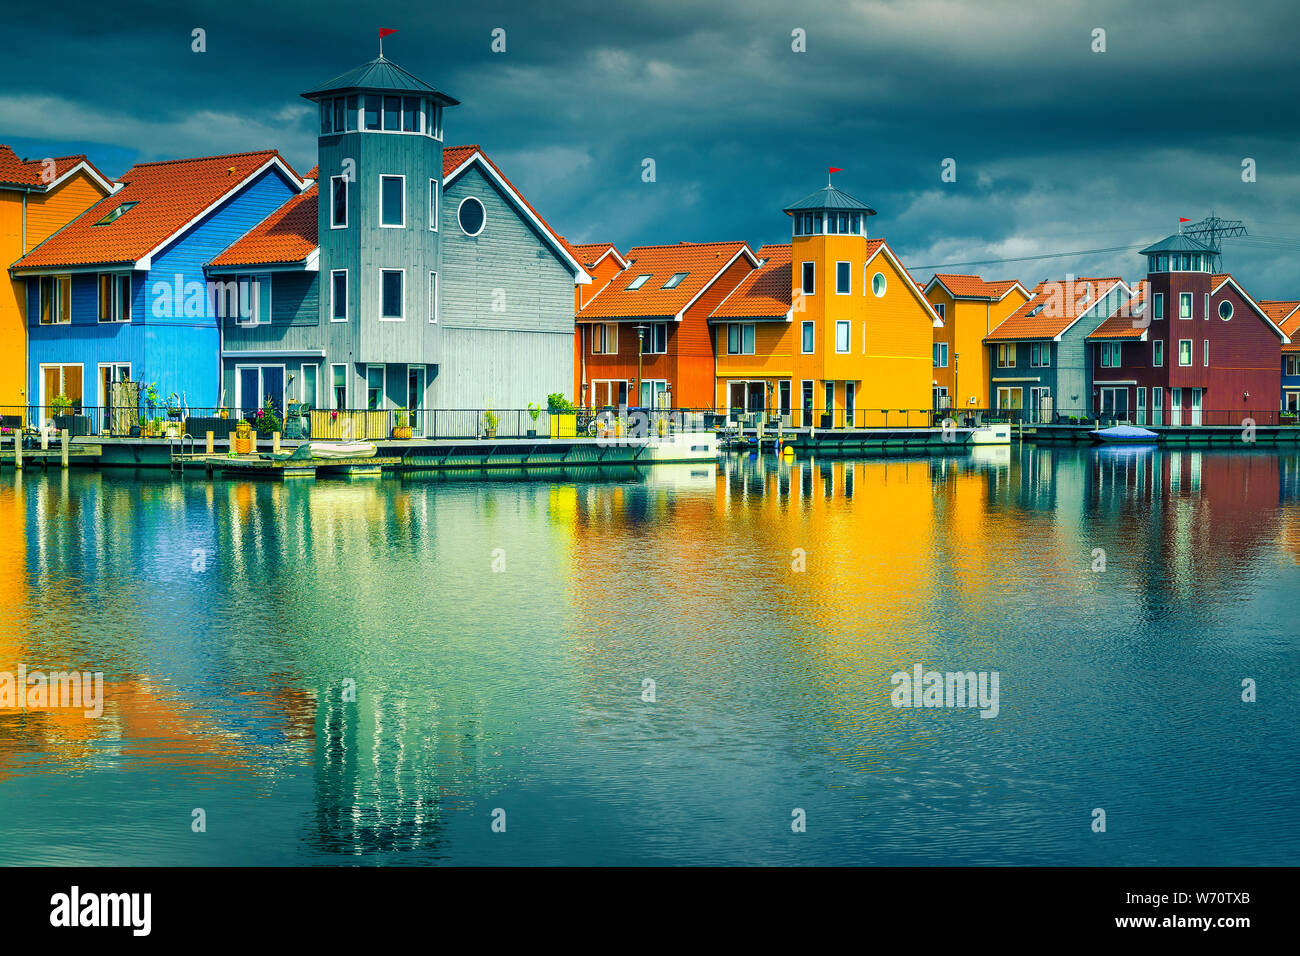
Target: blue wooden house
{"type": "Point", "coordinates": [121, 291]}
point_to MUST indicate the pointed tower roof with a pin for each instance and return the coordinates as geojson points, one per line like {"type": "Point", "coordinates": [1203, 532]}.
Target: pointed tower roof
{"type": "Point", "coordinates": [828, 197]}
{"type": "Point", "coordinates": [1177, 243]}
{"type": "Point", "coordinates": [380, 75]}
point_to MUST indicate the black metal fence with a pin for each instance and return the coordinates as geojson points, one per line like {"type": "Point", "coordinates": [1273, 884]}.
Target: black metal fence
{"type": "Point", "coordinates": [451, 423]}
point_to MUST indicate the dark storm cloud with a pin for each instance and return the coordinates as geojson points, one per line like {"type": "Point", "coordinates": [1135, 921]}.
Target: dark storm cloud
{"type": "Point", "coordinates": [1058, 148]}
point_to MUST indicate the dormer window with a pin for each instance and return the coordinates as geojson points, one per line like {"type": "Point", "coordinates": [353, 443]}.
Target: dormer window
{"type": "Point", "coordinates": [675, 280]}
{"type": "Point", "coordinates": [639, 281]}
{"type": "Point", "coordinates": [117, 213]}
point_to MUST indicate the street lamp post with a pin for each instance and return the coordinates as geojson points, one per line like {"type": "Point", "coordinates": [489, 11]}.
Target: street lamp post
{"type": "Point", "coordinates": [640, 344]}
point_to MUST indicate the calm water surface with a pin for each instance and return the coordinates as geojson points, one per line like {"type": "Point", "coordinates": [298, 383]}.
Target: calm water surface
{"type": "Point", "coordinates": [521, 688]}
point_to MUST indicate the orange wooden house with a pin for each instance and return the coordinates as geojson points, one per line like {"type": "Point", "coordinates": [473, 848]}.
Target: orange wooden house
{"type": "Point", "coordinates": [37, 198]}
{"type": "Point", "coordinates": [644, 338]}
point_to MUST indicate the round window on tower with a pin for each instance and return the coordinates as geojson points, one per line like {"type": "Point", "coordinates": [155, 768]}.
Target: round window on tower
{"type": "Point", "coordinates": [471, 216]}
{"type": "Point", "coordinates": [878, 284]}
{"type": "Point", "coordinates": [1225, 310]}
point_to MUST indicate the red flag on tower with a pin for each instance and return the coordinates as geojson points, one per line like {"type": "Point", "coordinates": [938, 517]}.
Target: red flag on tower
{"type": "Point", "coordinates": [386, 31]}
{"type": "Point", "coordinates": [834, 169]}
{"type": "Point", "coordinates": [1181, 219]}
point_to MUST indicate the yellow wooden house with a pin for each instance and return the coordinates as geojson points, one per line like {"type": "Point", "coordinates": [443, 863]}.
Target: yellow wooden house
{"type": "Point", "coordinates": [969, 309]}
{"type": "Point", "coordinates": [830, 331]}
{"type": "Point", "coordinates": [38, 197]}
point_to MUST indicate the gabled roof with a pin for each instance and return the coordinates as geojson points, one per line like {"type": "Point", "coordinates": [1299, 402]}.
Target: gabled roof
{"type": "Point", "coordinates": [27, 174]}
{"type": "Point", "coordinates": [702, 262]}
{"type": "Point", "coordinates": [1219, 280]}
{"type": "Point", "coordinates": [828, 197]}
{"type": "Point", "coordinates": [1061, 308]}
{"type": "Point", "coordinates": [378, 74]}
{"type": "Point", "coordinates": [169, 197]}
{"type": "Point", "coordinates": [973, 287]}
{"type": "Point", "coordinates": [591, 253]}
{"type": "Point", "coordinates": [1177, 243]}
{"type": "Point", "coordinates": [764, 293]}
{"type": "Point", "coordinates": [456, 160]}
{"type": "Point", "coordinates": [286, 236]}
{"type": "Point", "coordinates": [1285, 314]}
{"type": "Point", "coordinates": [1123, 324]}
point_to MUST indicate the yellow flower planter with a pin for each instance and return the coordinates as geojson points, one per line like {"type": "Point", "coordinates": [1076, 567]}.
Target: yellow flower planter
{"type": "Point", "coordinates": [564, 426]}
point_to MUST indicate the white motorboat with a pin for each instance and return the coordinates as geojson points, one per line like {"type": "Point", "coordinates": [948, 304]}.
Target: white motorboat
{"type": "Point", "coordinates": [343, 449]}
{"type": "Point", "coordinates": [1124, 435]}
{"type": "Point", "coordinates": [995, 434]}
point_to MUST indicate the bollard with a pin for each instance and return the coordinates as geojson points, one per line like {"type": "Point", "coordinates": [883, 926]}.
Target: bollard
{"type": "Point", "coordinates": [45, 438]}
{"type": "Point", "coordinates": [64, 436]}
{"type": "Point", "coordinates": [275, 443]}
{"type": "Point", "coordinates": [210, 445]}
{"type": "Point", "coordinates": [18, 451]}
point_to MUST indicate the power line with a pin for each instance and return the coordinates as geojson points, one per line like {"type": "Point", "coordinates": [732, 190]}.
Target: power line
{"type": "Point", "coordinates": [1048, 255]}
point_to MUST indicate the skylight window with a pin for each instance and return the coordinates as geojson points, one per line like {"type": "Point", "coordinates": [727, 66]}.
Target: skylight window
{"type": "Point", "coordinates": [116, 213]}
{"type": "Point", "coordinates": [639, 281]}
{"type": "Point", "coordinates": [676, 280]}
{"type": "Point", "coordinates": [1035, 310]}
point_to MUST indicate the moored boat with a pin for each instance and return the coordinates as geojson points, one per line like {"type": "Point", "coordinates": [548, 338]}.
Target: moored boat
{"type": "Point", "coordinates": [343, 449]}
{"type": "Point", "coordinates": [1124, 435]}
{"type": "Point", "coordinates": [995, 434]}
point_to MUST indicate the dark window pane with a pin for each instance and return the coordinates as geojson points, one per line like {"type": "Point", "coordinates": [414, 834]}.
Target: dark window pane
{"type": "Point", "coordinates": [392, 112]}
{"type": "Point", "coordinates": [392, 295]}
{"type": "Point", "coordinates": [411, 114]}
{"type": "Point", "coordinates": [373, 101]}
{"type": "Point", "coordinates": [391, 213]}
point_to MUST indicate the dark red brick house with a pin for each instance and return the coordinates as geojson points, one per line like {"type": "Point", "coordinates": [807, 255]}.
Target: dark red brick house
{"type": "Point", "coordinates": [1201, 351]}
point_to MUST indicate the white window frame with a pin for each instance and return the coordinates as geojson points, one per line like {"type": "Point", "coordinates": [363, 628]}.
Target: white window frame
{"type": "Point", "coordinates": [652, 331]}
{"type": "Point", "coordinates": [1191, 354]}
{"type": "Point", "coordinates": [116, 280]}
{"type": "Point", "coordinates": [435, 203]}
{"type": "Point", "coordinates": [845, 326]}
{"type": "Point", "coordinates": [391, 318]}
{"type": "Point", "coordinates": [1157, 306]}
{"type": "Point", "coordinates": [346, 198]}
{"type": "Point", "coordinates": [940, 356]}
{"type": "Point", "coordinates": [384, 177]}
{"type": "Point", "coordinates": [482, 225]}
{"type": "Point", "coordinates": [807, 324]}
{"type": "Point", "coordinates": [346, 295]}
{"type": "Point", "coordinates": [808, 268]}
{"type": "Point", "coordinates": [347, 388]}
{"type": "Point", "coordinates": [433, 296]}
{"type": "Point", "coordinates": [639, 281]}
{"type": "Point", "coordinates": [1157, 353]}
{"type": "Point", "coordinates": [600, 342]}
{"type": "Point", "coordinates": [383, 388]}
{"type": "Point", "coordinates": [884, 284]}
{"type": "Point", "coordinates": [848, 276]}
{"type": "Point", "coordinates": [1205, 353]}
{"type": "Point", "coordinates": [1231, 310]}
{"type": "Point", "coordinates": [99, 375]}
{"type": "Point", "coordinates": [1005, 348]}
{"type": "Point", "coordinates": [302, 382]}
{"type": "Point", "coordinates": [1184, 297]}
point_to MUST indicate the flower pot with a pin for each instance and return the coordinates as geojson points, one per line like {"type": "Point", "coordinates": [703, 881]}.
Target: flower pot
{"type": "Point", "coordinates": [243, 445]}
{"type": "Point", "coordinates": [491, 432]}
{"type": "Point", "coordinates": [532, 433]}
{"type": "Point", "coordinates": [402, 432]}
{"type": "Point", "coordinates": [224, 413]}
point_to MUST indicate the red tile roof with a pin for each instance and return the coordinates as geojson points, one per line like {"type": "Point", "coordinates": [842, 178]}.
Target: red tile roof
{"type": "Point", "coordinates": [701, 261]}
{"type": "Point", "coordinates": [168, 196]}
{"type": "Point", "coordinates": [1285, 314]}
{"type": "Point", "coordinates": [1061, 308]}
{"type": "Point", "coordinates": [973, 287]}
{"type": "Point", "coordinates": [588, 253]}
{"type": "Point", "coordinates": [287, 235]}
{"type": "Point", "coordinates": [764, 293]}
{"type": "Point", "coordinates": [1123, 323]}
{"type": "Point", "coordinates": [27, 172]}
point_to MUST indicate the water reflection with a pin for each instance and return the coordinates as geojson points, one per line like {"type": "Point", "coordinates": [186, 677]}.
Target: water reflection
{"type": "Point", "coordinates": [497, 633]}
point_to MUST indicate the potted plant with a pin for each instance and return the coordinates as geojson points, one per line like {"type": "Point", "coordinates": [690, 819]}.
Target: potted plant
{"type": "Point", "coordinates": [223, 412]}
{"type": "Point", "coordinates": [534, 410]}
{"type": "Point", "coordinates": [174, 407]}
{"type": "Point", "coordinates": [564, 419]}
{"type": "Point", "coordinates": [402, 428]}
{"type": "Point", "coordinates": [243, 442]}
{"type": "Point", "coordinates": [490, 422]}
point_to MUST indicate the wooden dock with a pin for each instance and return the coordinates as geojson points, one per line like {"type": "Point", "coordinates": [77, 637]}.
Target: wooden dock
{"type": "Point", "coordinates": [253, 466]}
{"type": "Point", "coordinates": [61, 451]}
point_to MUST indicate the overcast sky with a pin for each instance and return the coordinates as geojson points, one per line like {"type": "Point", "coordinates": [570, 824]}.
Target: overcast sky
{"type": "Point", "coordinates": [1057, 148]}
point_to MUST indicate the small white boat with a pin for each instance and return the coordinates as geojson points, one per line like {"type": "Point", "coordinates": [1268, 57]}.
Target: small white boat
{"type": "Point", "coordinates": [1124, 435]}
{"type": "Point", "coordinates": [998, 434]}
{"type": "Point", "coordinates": [343, 449]}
